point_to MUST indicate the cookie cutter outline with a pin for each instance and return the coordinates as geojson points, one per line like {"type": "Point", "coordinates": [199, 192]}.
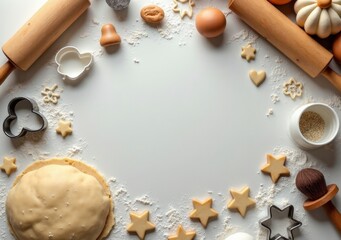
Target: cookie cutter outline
{"type": "Point", "coordinates": [72, 50]}
{"type": "Point", "coordinates": [295, 223]}
{"type": "Point", "coordinates": [13, 116]}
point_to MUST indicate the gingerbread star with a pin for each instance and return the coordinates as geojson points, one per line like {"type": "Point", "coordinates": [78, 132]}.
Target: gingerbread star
{"type": "Point", "coordinates": [241, 200]}
{"type": "Point", "coordinates": [203, 211]}
{"type": "Point", "coordinates": [8, 165]}
{"type": "Point", "coordinates": [140, 224]}
{"type": "Point", "coordinates": [275, 167]}
{"type": "Point", "coordinates": [64, 128]}
{"type": "Point", "coordinates": [181, 234]}
{"type": "Point", "coordinates": [248, 52]}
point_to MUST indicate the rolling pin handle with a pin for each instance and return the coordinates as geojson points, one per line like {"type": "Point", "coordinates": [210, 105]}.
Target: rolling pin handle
{"type": "Point", "coordinates": [6, 70]}
{"type": "Point", "coordinates": [333, 77]}
{"type": "Point", "coordinates": [333, 214]}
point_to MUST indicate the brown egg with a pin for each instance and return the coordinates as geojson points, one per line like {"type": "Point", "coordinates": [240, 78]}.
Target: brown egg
{"type": "Point", "coordinates": [279, 2]}
{"type": "Point", "coordinates": [210, 22]}
{"type": "Point", "coordinates": [337, 48]}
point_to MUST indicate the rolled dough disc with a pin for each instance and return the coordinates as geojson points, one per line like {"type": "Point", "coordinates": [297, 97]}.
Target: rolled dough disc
{"type": "Point", "coordinates": [60, 199]}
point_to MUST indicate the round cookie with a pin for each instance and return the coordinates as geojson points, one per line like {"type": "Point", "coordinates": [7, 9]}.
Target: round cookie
{"type": "Point", "coordinates": [60, 199]}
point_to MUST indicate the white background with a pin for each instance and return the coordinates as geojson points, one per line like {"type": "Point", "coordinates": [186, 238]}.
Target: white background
{"type": "Point", "coordinates": [183, 120]}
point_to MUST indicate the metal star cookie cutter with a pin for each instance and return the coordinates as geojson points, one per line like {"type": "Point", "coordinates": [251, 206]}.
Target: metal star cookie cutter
{"type": "Point", "coordinates": [266, 222]}
{"type": "Point", "coordinates": [13, 116]}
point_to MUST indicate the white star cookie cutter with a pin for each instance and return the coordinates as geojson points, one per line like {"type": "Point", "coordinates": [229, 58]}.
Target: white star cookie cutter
{"type": "Point", "coordinates": [188, 12]}
{"type": "Point", "coordinates": [71, 63]}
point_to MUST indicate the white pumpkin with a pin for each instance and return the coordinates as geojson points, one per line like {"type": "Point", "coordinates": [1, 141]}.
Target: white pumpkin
{"type": "Point", "coordinates": [320, 17]}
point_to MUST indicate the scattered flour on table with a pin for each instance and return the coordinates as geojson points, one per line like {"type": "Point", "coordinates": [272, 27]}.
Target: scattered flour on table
{"type": "Point", "coordinates": [3, 194]}
{"type": "Point", "coordinates": [95, 21]}
{"type": "Point", "coordinates": [270, 193]}
{"type": "Point", "coordinates": [98, 54]}
{"type": "Point", "coordinates": [333, 101]}
{"type": "Point", "coordinates": [270, 112]}
{"type": "Point", "coordinates": [274, 98]}
{"type": "Point", "coordinates": [133, 37]}
{"type": "Point", "coordinates": [245, 36]}
{"type": "Point", "coordinates": [166, 219]}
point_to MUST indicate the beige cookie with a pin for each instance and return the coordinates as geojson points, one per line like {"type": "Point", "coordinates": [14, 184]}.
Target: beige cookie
{"type": "Point", "coordinates": [9, 165]}
{"type": "Point", "coordinates": [182, 234]}
{"type": "Point", "coordinates": [140, 224]}
{"type": "Point", "coordinates": [248, 52]}
{"type": "Point", "coordinates": [152, 14]}
{"type": "Point", "coordinates": [257, 77]}
{"type": "Point", "coordinates": [241, 200]}
{"type": "Point", "coordinates": [275, 167]}
{"type": "Point", "coordinates": [203, 211]}
{"type": "Point", "coordinates": [60, 199]}
{"type": "Point", "coordinates": [64, 128]}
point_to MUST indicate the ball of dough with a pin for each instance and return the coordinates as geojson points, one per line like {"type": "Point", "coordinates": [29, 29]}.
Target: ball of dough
{"type": "Point", "coordinates": [59, 202]}
{"type": "Point", "coordinates": [240, 236]}
{"type": "Point", "coordinates": [210, 22]}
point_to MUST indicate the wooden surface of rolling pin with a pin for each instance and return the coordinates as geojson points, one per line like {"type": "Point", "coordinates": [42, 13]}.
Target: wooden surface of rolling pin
{"type": "Point", "coordinates": [40, 32]}
{"type": "Point", "coordinates": [287, 37]}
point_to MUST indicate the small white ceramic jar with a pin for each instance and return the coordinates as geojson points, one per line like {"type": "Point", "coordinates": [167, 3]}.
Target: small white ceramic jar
{"type": "Point", "coordinates": [331, 125]}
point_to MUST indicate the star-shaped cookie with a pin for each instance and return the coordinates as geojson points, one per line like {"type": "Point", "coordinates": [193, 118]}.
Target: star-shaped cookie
{"type": "Point", "coordinates": [8, 165]}
{"type": "Point", "coordinates": [248, 52]}
{"type": "Point", "coordinates": [181, 234]}
{"type": "Point", "coordinates": [203, 211]}
{"type": "Point", "coordinates": [140, 224]}
{"type": "Point", "coordinates": [64, 128]}
{"type": "Point", "coordinates": [275, 167]}
{"type": "Point", "coordinates": [241, 200]}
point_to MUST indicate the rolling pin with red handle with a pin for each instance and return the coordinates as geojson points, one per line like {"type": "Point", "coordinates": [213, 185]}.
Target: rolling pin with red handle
{"type": "Point", "coordinates": [287, 37]}
{"type": "Point", "coordinates": [39, 33]}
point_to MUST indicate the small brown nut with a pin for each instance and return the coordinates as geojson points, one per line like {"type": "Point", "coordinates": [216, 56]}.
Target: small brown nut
{"type": "Point", "coordinates": [152, 14]}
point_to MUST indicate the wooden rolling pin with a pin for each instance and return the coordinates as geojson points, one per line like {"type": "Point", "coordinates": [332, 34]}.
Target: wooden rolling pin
{"type": "Point", "coordinates": [38, 34]}
{"type": "Point", "coordinates": [287, 37]}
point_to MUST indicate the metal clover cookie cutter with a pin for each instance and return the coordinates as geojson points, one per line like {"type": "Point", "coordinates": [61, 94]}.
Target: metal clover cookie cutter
{"type": "Point", "coordinates": [289, 213]}
{"type": "Point", "coordinates": [71, 63]}
{"type": "Point", "coordinates": [13, 116]}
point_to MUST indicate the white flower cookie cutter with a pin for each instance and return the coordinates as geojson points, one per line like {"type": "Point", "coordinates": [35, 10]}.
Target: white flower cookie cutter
{"type": "Point", "coordinates": [71, 63]}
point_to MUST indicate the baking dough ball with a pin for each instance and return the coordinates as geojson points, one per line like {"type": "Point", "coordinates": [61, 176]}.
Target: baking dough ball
{"type": "Point", "coordinates": [240, 236]}
{"type": "Point", "coordinates": [59, 199]}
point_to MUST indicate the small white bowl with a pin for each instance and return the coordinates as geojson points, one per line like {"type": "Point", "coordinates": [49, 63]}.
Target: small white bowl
{"type": "Point", "coordinates": [331, 127]}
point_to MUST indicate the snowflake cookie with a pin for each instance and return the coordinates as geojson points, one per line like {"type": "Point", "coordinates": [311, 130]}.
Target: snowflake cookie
{"type": "Point", "coordinates": [293, 88]}
{"type": "Point", "coordinates": [49, 94]}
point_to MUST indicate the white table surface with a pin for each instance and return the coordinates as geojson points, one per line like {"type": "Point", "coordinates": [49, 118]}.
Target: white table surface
{"type": "Point", "coordinates": [171, 119]}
